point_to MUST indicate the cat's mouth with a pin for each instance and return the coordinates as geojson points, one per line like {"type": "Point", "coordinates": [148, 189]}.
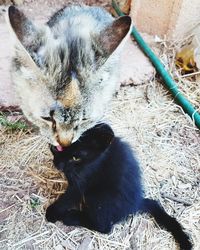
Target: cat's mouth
{"type": "Point", "coordinates": [59, 148]}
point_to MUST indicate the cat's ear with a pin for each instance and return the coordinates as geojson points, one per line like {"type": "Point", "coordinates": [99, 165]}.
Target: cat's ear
{"type": "Point", "coordinates": [20, 24]}
{"type": "Point", "coordinates": [113, 35]}
{"type": "Point", "coordinates": [26, 35]}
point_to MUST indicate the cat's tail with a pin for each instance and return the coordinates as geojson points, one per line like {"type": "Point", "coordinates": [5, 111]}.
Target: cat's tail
{"type": "Point", "coordinates": [164, 220]}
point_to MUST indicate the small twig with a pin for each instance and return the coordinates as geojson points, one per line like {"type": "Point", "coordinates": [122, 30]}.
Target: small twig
{"type": "Point", "coordinates": [146, 94]}
{"type": "Point", "coordinates": [130, 225]}
{"type": "Point", "coordinates": [10, 108]}
{"type": "Point", "coordinates": [191, 74]}
{"type": "Point", "coordinates": [32, 237]}
{"type": "Point", "coordinates": [173, 198]}
{"type": "Point", "coordinates": [7, 208]}
{"type": "Point", "coordinates": [85, 244]}
{"type": "Point", "coordinates": [56, 181]}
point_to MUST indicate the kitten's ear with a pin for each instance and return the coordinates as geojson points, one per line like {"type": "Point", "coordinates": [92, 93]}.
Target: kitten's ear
{"type": "Point", "coordinates": [112, 36]}
{"type": "Point", "coordinates": [108, 138]}
{"type": "Point", "coordinates": [26, 34]}
{"type": "Point", "coordinates": [104, 135]}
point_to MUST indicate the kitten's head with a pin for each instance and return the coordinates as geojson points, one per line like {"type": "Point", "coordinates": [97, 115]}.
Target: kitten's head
{"type": "Point", "coordinates": [88, 148]}
{"type": "Point", "coordinates": [63, 72]}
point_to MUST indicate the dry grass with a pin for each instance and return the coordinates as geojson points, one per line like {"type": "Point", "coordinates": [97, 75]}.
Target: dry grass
{"type": "Point", "coordinates": [187, 82]}
{"type": "Point", "coordinates": [167, 145]}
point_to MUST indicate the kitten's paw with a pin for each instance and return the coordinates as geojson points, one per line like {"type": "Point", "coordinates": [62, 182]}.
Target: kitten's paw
{"type": "Point", "coordinates": [51, 214]}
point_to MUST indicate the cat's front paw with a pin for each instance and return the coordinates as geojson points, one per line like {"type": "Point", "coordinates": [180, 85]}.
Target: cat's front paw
{"type": "Point", "coordinates": [51, 214]}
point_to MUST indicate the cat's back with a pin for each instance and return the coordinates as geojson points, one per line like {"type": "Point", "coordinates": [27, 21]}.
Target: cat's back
{"type": "Point", "coordinates": [121, 159]}
{"type": "Point", "coordinates": [81, 17]}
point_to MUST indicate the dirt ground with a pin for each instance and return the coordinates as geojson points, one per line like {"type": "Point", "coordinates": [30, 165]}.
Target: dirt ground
{"type": "Point", "coordinates": [167, 145]}
{"type": "Point", "coordinates": [43, 9]}
{"type": "Point", "coordinates": [165, 141]}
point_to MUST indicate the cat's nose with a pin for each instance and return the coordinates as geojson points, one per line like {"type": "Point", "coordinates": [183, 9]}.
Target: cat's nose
{"type": "Point", "coordinates": [65, 140]}
{"type": "Point", "coordinates": [64, 136]}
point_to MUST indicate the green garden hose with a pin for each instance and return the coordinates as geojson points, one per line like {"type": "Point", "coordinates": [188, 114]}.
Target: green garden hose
{"type": "Point", "coordinates": [168, 81]}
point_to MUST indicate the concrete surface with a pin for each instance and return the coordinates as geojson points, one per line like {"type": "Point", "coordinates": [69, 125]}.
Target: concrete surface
{"type": "Point", "coordinates": [173, 18]}
{"type": "Point", "coordinates": [135, 66]}
{"type": "Point", "coordinates": [188, 18]}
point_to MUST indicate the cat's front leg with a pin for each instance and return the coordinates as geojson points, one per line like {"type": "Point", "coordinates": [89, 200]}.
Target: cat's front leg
{"type": "Point", "coordinates": [69, 218]}
{"type": "Point", "coordinates": [72, 218]}
{"type": "Point", "coordinates": [52, 214]}
{"type": "Point", "coordinates": [68, 201]}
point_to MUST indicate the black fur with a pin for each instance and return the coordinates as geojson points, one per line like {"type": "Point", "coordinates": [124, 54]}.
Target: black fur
{"type": "Point", "coordinates": [104, 186]}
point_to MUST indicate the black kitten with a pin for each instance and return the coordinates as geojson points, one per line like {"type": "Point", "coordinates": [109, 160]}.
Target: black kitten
{"type": "Point", "coordinates": [104, 186]}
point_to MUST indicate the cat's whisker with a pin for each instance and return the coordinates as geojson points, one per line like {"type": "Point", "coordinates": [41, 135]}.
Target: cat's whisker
{"type": "Point", "coordinates": [32, 151]}
{"type": "Point", "coordinates": [32, 146]}
{"type": "Point", "coordinates": [27, 141]}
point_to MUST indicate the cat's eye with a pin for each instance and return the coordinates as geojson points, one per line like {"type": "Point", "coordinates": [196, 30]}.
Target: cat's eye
{"type": "Point", "coordinates": [50, 119]}
{"type": "Point", "coordinates": [76, 127]}
{"type": "Point", "coordinates": [47, 118]}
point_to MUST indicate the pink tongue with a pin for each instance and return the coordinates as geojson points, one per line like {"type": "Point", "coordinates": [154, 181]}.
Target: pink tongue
{"type": "Point", "coordinates": [59, 148]}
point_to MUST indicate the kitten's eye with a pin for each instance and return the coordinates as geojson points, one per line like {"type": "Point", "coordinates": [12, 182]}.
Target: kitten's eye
{"type": "Point", "coordinates": [49, 119]}
{"type": "Point", "coordinates": [76, 159]}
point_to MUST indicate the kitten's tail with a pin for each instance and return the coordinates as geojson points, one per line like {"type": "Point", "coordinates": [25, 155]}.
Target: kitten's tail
{"type": "Point", "coordinates": [164, 220]}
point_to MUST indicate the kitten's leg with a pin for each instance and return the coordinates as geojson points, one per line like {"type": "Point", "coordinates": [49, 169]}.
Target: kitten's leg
{"type": "Point", "coordinates": [78, 218]}
{"type": "Point", "coordinates": [68, 201]}
{"type": "Point", "coordinates": [98, 222]}
{"type": "Point", "coordinates": [75, 218]}
{"type": "Point", "coordinates": [72, 218]}
{"type": "Point", "coordinates": [93, 218]}
{"type": "Point", "coordinates": [81, 218]}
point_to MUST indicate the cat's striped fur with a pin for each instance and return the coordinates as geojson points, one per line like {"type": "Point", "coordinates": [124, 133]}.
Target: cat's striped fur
{"type": "Point", "coordinates": [66, 71]}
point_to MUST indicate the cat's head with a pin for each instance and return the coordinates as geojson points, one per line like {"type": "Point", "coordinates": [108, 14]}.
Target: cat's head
{"type": "Point", "coordinates": [64, 81]}
{"type": "Point", "coordinates": [88, 148]}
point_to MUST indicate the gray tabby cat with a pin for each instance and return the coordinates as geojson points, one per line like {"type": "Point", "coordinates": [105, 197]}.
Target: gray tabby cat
{"type": "Point", "coordinates": [66, 71]}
